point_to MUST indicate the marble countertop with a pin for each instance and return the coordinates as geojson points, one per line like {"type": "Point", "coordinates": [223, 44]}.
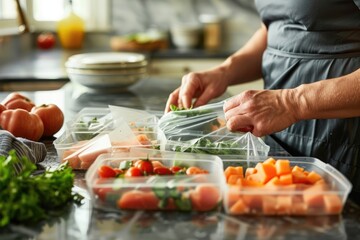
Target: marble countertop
{"type": "Point", "coordinates": [85, 222]}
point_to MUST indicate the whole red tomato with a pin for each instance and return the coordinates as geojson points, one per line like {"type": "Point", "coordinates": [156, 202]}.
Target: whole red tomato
{"type": "Point", "coordinates": [133, 172]}
{"type": "Point", "coordinates": [2, 108]}
{"type": "Point", "coordinates": [22, 123]}
{"type": "Point", "coordinates": [145, 166]}
{"type": "Point", "coordinates": [51, 116]}
{"type": "Point", "coordinates": [106, 172]}
{"type": "Point", "coordinates": [16, 100]}
{"type": "Point", "coordinates": [46, 40]}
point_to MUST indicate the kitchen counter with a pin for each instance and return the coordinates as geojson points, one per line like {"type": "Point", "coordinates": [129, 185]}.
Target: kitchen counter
{"type": "Point", "coordinates": [46, 68]}
{"type": "Point", "coordinates": [84, 222]}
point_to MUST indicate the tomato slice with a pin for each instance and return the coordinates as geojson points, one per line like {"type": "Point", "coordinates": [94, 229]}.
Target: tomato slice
{"type": "Point", "coordinates": [106, 172]}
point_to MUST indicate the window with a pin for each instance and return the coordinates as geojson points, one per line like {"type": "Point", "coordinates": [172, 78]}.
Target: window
{"type": "Point", "coordinates": [42, 15]}
{"type": "Point", "coordinates": [8, 17]}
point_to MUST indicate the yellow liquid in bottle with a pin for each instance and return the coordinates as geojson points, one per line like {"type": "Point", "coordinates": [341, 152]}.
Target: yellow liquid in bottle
{"type": "Point", "coordinates": [71, 31]}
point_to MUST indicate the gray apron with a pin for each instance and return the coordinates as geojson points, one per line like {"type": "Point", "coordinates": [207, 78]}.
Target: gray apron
{"type": "Point", "coordinates": [308, 41]}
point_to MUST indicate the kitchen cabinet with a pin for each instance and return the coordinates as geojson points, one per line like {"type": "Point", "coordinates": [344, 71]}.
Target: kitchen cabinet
{"type": "Point", "coordinates": [176, 68]}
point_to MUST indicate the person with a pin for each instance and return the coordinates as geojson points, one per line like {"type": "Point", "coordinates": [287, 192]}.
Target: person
{"type": "Point", "coordinates": [308, 54]}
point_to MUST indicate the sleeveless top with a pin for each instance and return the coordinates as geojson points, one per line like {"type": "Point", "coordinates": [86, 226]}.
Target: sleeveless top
{"type": "Point", "coordinates": [308, 41]}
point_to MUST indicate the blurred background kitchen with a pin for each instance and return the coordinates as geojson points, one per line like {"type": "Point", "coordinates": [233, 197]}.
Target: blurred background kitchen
{"type": "Point", "coordinates": [177, 36]}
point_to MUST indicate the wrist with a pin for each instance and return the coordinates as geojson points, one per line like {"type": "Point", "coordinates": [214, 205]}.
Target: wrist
{"type": "Point", "coordinates": [298, 102]}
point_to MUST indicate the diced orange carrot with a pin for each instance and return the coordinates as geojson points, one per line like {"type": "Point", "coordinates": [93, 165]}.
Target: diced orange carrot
{"type": "Point", "coordinates": [274, 182]}
{"type": "Point", "coordinates": [313, 177]}
{"type": "Point", "coordinates": [250, 171]}
{"type": "Point", "coordinates": [282, 166]}
{"type": "Point", "coordinates": [298, 206]}
{"type": "Point", "coordinates": [299, 177]}
{"type": "Point", "coordinates": [313, 196]}
{"type": "Point", "coordinates": [240, 171]}
{"type": "Point", "coordinates": [283, 204]}
{"type": "Point", "coordinates": [297, 168]}
{"type": "Point", "coordinates": [270, 161]}
{"type": "Point", "coordinates": [286, 179]}
{"type": "Point", "coordinates": [254, 201]}
{"type": "Point", "coordinates": [269, 205]}
{"type": "Point", "coordinates": [232, 195]}
{"type": "Point", "coordinates": [251, 183]}
{"type": "Point", "coordinates": [333, 204]}
{"type": "Point", "coordinates": [233, 179]}
{"type": "Point", "coordinates": [233, 171]}
{"type": "Point", "coordinates": [264, 173]}
{"type": "Point", "coordinates": [239, 207]}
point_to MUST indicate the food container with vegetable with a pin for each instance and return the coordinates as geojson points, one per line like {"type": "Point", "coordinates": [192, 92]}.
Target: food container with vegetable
{"type": "Point", "coordinates": [89, 122]}
{"type": "Point", "coordinates": [283, 186]}
{"type": "Point", "coordinates": [219, 143]}
{"type": "Point", "coordinates": [82, 153]}
{"type": "Point", "coordinates": [145, 179]}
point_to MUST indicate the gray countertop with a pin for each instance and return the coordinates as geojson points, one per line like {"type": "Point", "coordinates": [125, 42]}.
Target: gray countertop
{"type": "Point", "coordinates": [47, 66]}
{"type": "Point", "coordinates": [85, 222]}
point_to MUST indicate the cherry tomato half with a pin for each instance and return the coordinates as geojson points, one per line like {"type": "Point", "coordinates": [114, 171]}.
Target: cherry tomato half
{"type": "Point", "coordinates": [162, 171]}
{"type": "Point", "coordinates": [106, 172]}
{"type": "Point", "coordinates": [133, 172]}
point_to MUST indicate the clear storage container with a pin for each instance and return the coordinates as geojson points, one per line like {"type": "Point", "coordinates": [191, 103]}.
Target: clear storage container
{"type": "Point", "coordinates": [325, 197]}
{"type": "Point", "coordinates": [180, 192]}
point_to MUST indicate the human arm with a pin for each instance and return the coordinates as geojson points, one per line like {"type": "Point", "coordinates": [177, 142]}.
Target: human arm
{"type": "Point", "coordinates": [244, 65]}
{"type": "Point", "coordinates": [269, 111]}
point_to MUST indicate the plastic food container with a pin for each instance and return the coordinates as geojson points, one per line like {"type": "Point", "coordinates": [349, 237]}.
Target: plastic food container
{"type": "Point", "coordinates": [81, 154]}
{"type": "Point", "coordinates": [325, 197]}
{"type": "Point", "coordinates": [199, 192]}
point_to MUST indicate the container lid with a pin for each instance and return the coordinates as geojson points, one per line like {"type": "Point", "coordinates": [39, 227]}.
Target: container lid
{"type": "Point", "coordinates": [106, 60]}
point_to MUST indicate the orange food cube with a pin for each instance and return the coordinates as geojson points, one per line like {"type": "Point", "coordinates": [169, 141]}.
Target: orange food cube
{"type": "Point", "coordinates": [270, 161]}
{"type": "Point", "coordinates": [234, 179]}
{"type": "Point", "coordinates": [313, 196]}
{"type": "Point", "coordinates": [297, 168]}
{"type": "Point", "coordinates": [313, 177]}
{"type": "Point", "coordinates": [286, 179]}
{"type": "Point", "coordinates": [333, 204]}
{"type": "Point", "coordinates": [250, 171]}
{"type": "Point", "coordinates": [282, 166]}
{"type": "Point", "coordinates": [299, 177]}
{"type": "Point", "coordinates": [239, 207]}
{"type": "Point", "coordinates": [264, 173]}
{"type": "Point", "coordinates": [233, 171]}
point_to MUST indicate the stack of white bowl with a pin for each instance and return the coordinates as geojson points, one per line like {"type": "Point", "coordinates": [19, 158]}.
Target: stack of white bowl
{"type": "Point", "coordinates": [106, 70]}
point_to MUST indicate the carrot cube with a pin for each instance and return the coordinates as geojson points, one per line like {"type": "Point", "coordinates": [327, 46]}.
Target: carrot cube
{"type": "Point", "coordinates": [282, 166]}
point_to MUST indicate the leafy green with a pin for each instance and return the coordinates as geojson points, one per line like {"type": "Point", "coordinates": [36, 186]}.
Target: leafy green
{"type": "Point", "coordinates": [25, 197]}
{"type": "Point", "coordinates": [186, 111]}
{"type": "Point", "coordinates": [82, 131]}
{"type": "Point", "coordinates": [205, 145]}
